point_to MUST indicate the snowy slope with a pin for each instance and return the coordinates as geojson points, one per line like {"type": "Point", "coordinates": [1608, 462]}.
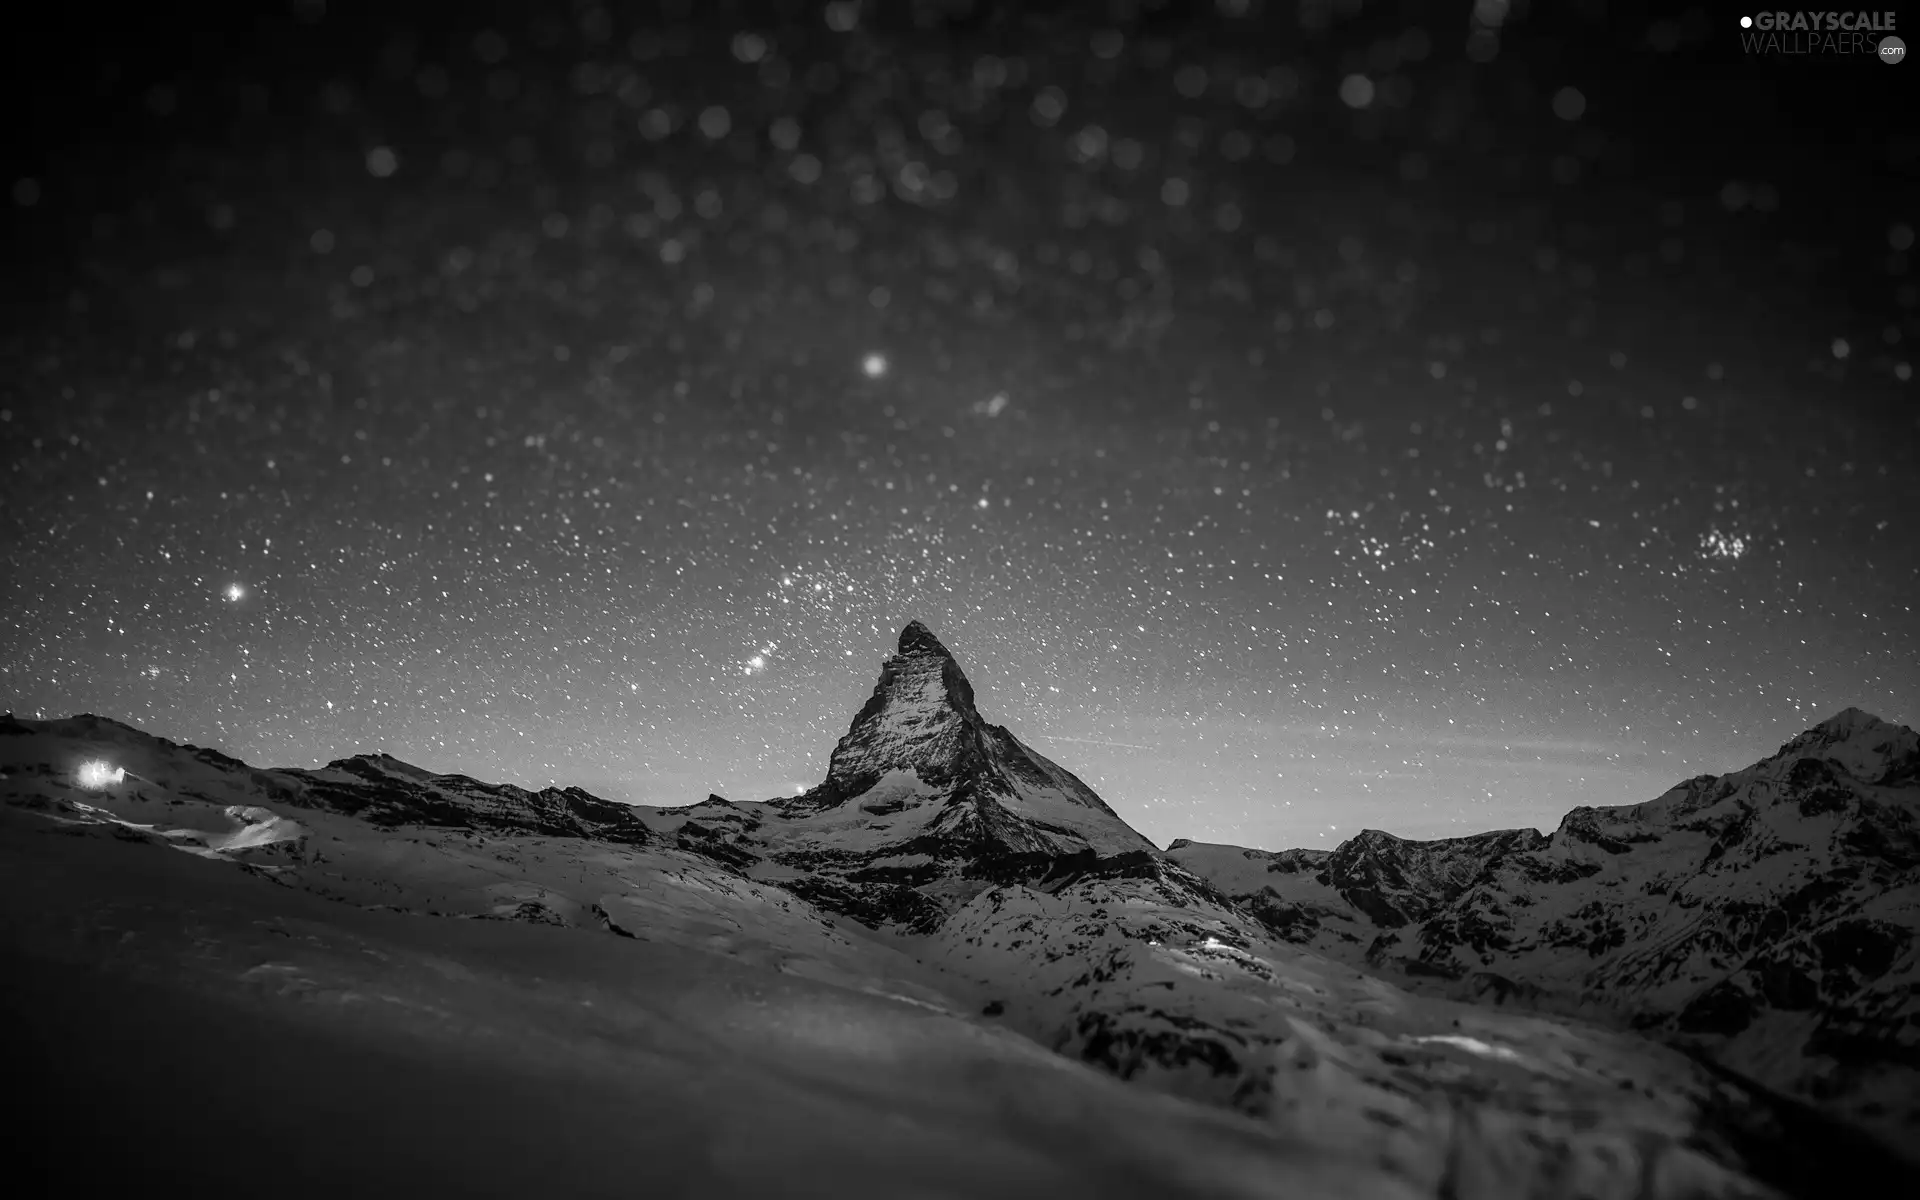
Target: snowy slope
{"type": "Point", "coordinates": [1154, 975]}
{"type": "Point", "coordinates": [458, 1005]}
{"type": "Point", "coordinates": [941, 870]}
{"type": "Point", "coordinates": [1768, 916]}
{"type": "Point", "coordinates": [204, 1031]}
{"type": "Point", "coordinates": [1159, 983]}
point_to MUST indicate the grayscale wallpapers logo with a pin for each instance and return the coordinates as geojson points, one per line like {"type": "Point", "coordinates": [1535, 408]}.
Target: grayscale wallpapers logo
{"type": "Point", "coordinates": [1823, 35]}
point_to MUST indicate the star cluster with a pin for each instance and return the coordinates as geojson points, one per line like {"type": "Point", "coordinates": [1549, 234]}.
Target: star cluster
{"type": "Point", "coordinates": [1295, 421]}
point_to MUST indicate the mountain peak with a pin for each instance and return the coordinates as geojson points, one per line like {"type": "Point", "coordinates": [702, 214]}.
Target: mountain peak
{"type": "Point", "coordinates": [1849, 731]}
{"type": "Point", "coordinates": [920, 718]}
{"type": "Point", "coordinates": [917, 640]}
{"type": "Point", "coordinates": [1849, 721]}
{"type": "Point", "coordinates": [919, 753]}
{"type": "Point", "coordinates": [1866, 746]}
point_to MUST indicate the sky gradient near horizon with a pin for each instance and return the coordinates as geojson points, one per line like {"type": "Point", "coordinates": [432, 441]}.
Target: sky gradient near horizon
{"type": "Point", "coordinates": [593, 402]}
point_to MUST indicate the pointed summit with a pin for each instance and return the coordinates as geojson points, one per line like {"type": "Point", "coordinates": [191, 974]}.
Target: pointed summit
{"type": "Point", "coordinates": [917, 639]}
{"type": "Point", "coordinates": [920, 718]}
{"type": "Point", "coordinates": [1866, 746]}
{"type": "Point", "coordinates": [1849, 721]}
{"type": "Point", "coordinates": [1847, 730]}
{"type": "Point", "coordinates": [919, 746]}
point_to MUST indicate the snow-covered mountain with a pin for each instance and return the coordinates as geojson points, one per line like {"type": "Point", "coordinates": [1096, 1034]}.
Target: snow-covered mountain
{"type": "Point", "coordinates": [924, 805]}
{"type": "Point", "coordinates": [947, 903]}
{"type": "Point", "coordinates": [1768, 917]}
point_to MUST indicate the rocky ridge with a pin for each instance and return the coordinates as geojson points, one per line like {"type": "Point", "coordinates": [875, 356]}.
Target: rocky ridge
{"type": "Point", "coordinates": [1767, 917]}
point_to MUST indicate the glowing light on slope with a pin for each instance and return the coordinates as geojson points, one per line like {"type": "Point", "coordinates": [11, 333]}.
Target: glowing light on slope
{"type": "Point", "coordinates": [1471, 1045]}
{"type": "Point", "coordinates": [235, 591]}
{"type": "Point", "coordinates": [97, 774]}
{"type": "Point", "coordinates": [874, 365]}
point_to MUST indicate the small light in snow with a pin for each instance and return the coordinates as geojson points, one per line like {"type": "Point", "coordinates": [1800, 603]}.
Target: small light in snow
{"type": "Point", "coordinates": [235, 592]}
{"type": "Point", "coordinates": [1840, 348]}
{"type": "Point", "coordinates": [874, 365]}
{"type": "Point", "coordinates": [97, 774]}
{"type": "Point", "coordinates": [1472, 1045]}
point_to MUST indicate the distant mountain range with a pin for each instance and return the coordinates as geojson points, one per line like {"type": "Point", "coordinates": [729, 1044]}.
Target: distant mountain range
{"type": "Point", "coordinates": [1767, 917]}
{"type": "Point", "coordinates": [1713, 993]}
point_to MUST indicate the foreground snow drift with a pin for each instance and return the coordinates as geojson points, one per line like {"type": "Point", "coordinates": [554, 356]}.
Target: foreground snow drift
{"type": "Point", "coordinates": [191, 1023]}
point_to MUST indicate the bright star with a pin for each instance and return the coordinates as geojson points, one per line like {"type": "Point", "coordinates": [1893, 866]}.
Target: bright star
{"type": "Point", "coordinates": [875, 365]}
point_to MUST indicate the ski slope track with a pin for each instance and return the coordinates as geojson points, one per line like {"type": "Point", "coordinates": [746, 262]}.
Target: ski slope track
{"type": "Point", "coordinates": [952, 970]}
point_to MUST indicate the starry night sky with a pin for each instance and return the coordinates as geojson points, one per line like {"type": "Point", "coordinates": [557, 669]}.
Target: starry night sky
{"type": "Point", "coordinates": [1296, 417]}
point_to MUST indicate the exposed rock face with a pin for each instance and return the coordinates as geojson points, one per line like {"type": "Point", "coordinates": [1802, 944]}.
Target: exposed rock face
{"type": "Point", "coordinates": [920, 718]}
{"type": "Point", "coordinates": [924, 805]}
{"type": "Point", "coordinates": [1770, 917]}
{"type": "Point", "coordinates": [384, 790]}
{"type": "Point", "coordinates": [921, 721]}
